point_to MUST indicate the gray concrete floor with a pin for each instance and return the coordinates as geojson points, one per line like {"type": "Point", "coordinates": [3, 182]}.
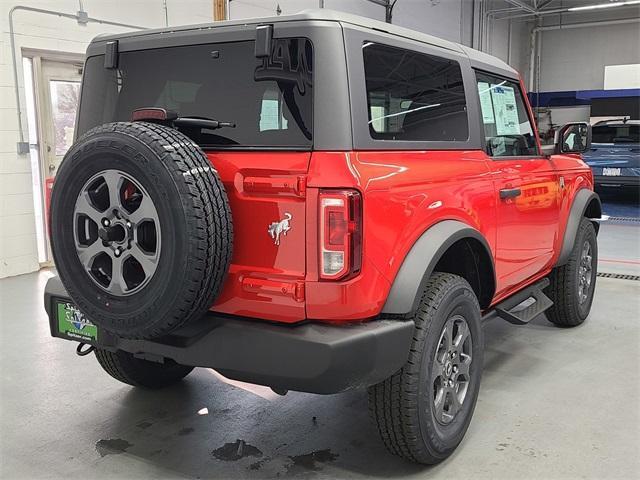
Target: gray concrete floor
{"type": "Point", "coordinates": [554, 403]}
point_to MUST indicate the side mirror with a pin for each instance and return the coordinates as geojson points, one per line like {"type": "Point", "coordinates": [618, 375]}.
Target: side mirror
{"type": "Point", "coordinates": [574, 137]}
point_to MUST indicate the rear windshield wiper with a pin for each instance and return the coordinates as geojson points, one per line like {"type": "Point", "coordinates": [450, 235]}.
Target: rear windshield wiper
{"type": "Point", "coordinates": [161, 115]}
{"type": "Point", "coordinates": [202, 122]}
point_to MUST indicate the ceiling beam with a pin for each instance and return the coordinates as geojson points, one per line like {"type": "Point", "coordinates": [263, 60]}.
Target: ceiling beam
{"type": "Point", "coordinates": [553, 11]}
{"type": "Point", "coordinates": [544, 4]}
{"type": "Point", "coordinates": [523, 5]}
{"type": "Point", "coordinates": [382, 3]}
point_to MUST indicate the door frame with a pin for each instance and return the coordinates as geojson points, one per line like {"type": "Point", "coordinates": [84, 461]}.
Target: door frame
{"type": "Point", "coordinates": [37, 56]}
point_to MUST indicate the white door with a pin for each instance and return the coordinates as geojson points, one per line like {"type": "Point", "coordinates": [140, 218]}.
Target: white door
{"type": "Point", "coordinates": [58, 94]}
{"type": "Point", "coordinates": [59, 97]}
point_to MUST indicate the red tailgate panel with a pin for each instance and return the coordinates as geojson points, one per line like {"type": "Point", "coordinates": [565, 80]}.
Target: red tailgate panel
{"type": "Point", "coordinates": [265, 280]}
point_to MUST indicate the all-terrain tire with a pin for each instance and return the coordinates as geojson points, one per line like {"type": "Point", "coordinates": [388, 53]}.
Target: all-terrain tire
{"type": "Point", "coordinates": [403, 406]}
{"type": "Point", "coordinates": [193, 215]}
{"type": "Point", "coordinates": [124, 367]}
{"type": "Point", "coordinates": [569, 309]}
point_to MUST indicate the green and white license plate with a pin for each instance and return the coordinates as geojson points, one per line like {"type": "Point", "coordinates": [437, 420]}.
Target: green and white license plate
{"type": "Point", "coordinates": [72, 323]}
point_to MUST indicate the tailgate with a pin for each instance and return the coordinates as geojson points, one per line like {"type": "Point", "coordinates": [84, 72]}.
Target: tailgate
{"type": "Point", "coordinates": [266, 192]}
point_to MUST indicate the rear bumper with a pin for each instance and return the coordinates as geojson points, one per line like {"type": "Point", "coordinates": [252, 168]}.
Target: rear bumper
{"type": "Point", "coordinates": [616, 182]}
{"type": "Point", "coordinates": [316, 358]}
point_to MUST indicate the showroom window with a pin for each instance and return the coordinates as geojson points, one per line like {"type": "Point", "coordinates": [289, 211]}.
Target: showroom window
{"type": "Point", "coordinates": [414, 96]}
{"type": "Point", "coordinates": [507, 126]}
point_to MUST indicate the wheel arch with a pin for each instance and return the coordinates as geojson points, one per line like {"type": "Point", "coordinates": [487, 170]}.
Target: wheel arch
{"type": "Point", "coordinates": [587, 204]}
{"type": "Point", "coordinates": [448, 246]}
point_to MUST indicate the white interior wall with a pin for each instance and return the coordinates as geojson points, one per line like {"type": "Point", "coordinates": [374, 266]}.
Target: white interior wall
{"type": "Point", "coordinates": [562, 115]}
{"type": "Point", "coordinates": [512, 47]}
{"type": "Point", "coordinates": [453, 20]}
{"type": "Point", "coordinates": [239, 9]}
{"type": "Point", "coordinates": [441, 18]}
{"type": "Point", "coordinates": [574, 59]}
{"type": "Point", "coordinates": [18, 251]}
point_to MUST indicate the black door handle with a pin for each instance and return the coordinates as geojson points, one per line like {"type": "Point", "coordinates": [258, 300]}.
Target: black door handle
{"type": "Point", "coordinates": [510, 193]}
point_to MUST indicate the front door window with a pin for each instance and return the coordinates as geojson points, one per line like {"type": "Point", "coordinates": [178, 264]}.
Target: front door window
{"type": "Point", "coordinates": [507, 127]}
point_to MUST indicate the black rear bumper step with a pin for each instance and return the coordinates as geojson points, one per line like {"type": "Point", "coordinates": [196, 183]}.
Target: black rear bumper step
{"type": "Point", "coordinates": [513, 311]}
{"type": "Point", "coordinates": [313, 357]}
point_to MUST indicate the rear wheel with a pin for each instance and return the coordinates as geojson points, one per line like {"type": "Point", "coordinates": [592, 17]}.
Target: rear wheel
{"type": "Point", "coordinates": [573, 285]}
{"type": "Point", "coordinates": [126, 368]}
{"type": "Point", "coordinates": [423, 411]}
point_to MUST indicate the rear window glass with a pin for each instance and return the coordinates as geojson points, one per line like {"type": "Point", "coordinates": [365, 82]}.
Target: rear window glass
{"type": "Point", "coordinates": [616, 134]}
{"type": "Point", "coordinates": [269, 99]}
{"type": "Point", "coordinates": [414, 96]}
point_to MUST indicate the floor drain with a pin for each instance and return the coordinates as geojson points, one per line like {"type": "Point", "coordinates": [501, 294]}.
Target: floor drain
{"type": "Point", "coordinates": [619, 276]}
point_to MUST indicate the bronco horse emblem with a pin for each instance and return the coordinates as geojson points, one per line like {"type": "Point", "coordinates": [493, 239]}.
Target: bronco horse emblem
{"type": "Point", "coordinates": [280, 228]}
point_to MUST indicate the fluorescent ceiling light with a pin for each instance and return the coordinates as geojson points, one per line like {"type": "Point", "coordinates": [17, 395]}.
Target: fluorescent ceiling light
{"type": "Point", "coordinates": [604, 5]}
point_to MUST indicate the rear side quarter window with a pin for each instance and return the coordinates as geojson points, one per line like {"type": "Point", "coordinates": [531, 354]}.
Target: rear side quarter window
{"type": "Point", "coordinates": [413, 96]}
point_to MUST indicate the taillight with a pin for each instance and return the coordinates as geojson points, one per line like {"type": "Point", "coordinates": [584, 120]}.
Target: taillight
{"type": "Point", "coordinates": [340, 234]}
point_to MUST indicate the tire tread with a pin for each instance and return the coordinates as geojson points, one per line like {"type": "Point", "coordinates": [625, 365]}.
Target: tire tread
{"type": "Point", "coordinates": [562, 287]}
{"type": "Point", "coordinates": [209, 225]}
{"type": "Point", "coordinates": [393, 403]}
{"type": "Point", "coordinates": [125, 368]}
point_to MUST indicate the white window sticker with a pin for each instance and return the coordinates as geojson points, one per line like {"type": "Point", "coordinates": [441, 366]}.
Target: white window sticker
{"type": "Point", "coordinates": [484, 90]}
{"type": "Point", "coordinates": [377, 118]}
{"type": "Point", "coordinates": [506, 110]}
{"type": "Point", "coordinates": [271, 114]}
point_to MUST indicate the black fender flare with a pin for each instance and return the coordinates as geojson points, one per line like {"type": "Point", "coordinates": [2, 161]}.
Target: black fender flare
{"type": "Point", "coordinates": [419, 264]}
{"type": "Point", "coordinates": [586, 203]}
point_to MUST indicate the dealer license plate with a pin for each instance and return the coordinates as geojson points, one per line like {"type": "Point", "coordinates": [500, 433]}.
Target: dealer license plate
{"type": "Point", "coordinates": [73, 324]}
{"type": "Point", "coordinates": [611, 172]}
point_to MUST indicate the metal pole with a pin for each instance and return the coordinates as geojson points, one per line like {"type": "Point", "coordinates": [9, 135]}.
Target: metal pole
{"type": "Point", "coordinates": [473, 23]}
{"type": "Point", "coordinates": [509, 43]}
{"type": "Point", "coordinates": [166, 13]}
{"type": "Point", "coordinates": [532, 58]}
{"type": "Point", "coordinates": [588, 24]}
{"type": "Point", "coordinates": [565, 10]}
{"type": "Point", "coordinates": [389, 10]}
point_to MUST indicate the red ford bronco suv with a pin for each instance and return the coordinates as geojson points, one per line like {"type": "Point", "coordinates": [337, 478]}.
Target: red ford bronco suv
{"type": "Point", "coordinates": [317, 203]}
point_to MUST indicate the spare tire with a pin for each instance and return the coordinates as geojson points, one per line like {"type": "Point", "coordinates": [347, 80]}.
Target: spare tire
{"type": "Point", "coordinates": [141, 228]}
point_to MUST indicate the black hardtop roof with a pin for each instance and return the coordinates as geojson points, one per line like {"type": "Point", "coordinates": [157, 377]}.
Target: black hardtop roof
{"type": "Point", "coordinates": [324, 14]}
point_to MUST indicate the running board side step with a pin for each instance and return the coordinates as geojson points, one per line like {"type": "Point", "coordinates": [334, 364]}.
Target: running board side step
{"type": "Point", "coordinates": [513, 311]}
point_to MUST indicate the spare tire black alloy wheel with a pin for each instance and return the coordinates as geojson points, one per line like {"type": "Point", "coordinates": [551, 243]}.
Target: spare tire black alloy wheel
{"type": "Point", "coordinates": [117, 232]}
{"type": "Point", "coordinates": [141, 229]}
